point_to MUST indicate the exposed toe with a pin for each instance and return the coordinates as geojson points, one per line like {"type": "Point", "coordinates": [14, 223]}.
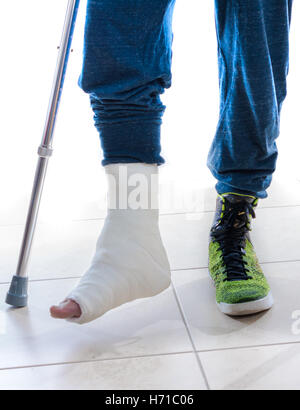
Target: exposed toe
{"type": "Point", "coordinates": [66, 310]}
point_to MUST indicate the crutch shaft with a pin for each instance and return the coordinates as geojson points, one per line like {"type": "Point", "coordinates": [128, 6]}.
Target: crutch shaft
{"type": "Point", "coordinates": [32, 217]}
{"type": "Point", "coordinates": [17, 295]}
{"type": "Point", "coordinates": [61, 66]}
{"type": "Point", "coordinates": [45, 149]}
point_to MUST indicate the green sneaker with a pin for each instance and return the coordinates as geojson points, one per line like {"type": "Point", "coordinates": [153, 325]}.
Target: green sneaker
{"type": "Point", "coordinates": [241, 286]}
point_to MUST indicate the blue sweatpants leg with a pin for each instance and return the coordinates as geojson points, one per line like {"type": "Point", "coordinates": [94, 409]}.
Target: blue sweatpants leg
{"type": "Point", "coordinates": [126, 67]}
{"type": "Point", "coordinates": [253, 39]}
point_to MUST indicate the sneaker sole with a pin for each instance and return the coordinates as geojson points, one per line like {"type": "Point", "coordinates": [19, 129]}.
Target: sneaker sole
{"type": "Point", "coordinates": [247, 308]}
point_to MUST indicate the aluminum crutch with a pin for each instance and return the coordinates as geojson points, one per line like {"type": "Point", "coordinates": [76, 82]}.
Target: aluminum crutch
{"type": "Point", "coordinates": [18, 292]}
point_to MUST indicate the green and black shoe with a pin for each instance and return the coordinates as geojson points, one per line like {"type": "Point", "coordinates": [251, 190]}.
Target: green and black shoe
{"type": "Point", "coordinates": [242, 288]}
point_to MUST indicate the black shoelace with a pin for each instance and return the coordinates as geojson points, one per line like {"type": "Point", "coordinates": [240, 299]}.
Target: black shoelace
{"type": "Point", "coordinates": [230, 233]}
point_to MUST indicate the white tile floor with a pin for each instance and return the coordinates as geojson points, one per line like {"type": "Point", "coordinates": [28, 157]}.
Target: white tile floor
{"type": "Point", "coordinates": [178, 340]}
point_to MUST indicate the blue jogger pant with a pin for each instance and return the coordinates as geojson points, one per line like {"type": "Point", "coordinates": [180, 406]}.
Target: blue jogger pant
{"type": "Point", "coordinates": [127, 66]}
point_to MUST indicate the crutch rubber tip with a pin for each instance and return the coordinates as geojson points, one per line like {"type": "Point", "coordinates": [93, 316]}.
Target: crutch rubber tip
{"type": "Point", "coordinates": [17, 295]}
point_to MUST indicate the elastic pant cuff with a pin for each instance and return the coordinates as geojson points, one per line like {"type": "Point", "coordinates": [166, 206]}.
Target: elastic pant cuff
{"type": "Point", "coordinates": [131, 142]}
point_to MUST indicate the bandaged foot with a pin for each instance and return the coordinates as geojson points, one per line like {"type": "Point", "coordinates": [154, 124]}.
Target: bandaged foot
{"type": "Point", "coordinates": [130, 261]}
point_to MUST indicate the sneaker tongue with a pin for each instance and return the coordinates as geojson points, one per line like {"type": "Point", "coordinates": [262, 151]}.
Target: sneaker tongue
{"type": "Point", "coordinates": [240, 221]}
{"type": "Point", "coordinates": [239, 224]}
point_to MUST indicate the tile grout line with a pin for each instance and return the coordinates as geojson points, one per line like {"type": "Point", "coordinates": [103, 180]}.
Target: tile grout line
{"type": "Point", "coordinates": [183, 212]}
{"type": "Point", "coordinates": [100, 218]}
{"type": "Point", "coordinates": [191, 339]}
{"type": "Point", "coordinates": [225, 349]}
{"type": "Point", "coordinates": [261, 263]}
{"type": "Point", "coordinates": [173, 270]}
{"type": "Point", "coordinates": [46, 279]}
{"type": "Point", "coordinates": [153, 355]}
{"type": "Point", "coordinates": [95, 360]}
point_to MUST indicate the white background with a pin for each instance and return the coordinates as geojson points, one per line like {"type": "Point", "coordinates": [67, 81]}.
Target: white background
{"type": "Point", "coordinates": [75, 188]}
